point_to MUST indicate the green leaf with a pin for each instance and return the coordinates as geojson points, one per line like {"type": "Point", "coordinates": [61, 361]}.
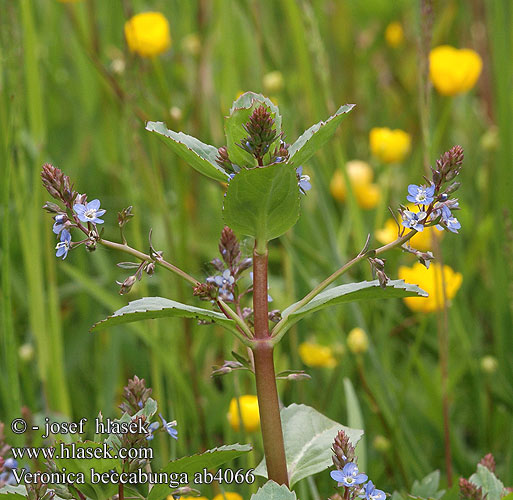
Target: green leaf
{"type": "Point", "coordinates": [159, 307]}
{"type": "Point", "coordinates": [316, 136]}
{"type": "Point", "coordinates": [355, 420]}
{"type": "Point", "coordinates": [84, 466]}
{"type": "Point", "coordinates": [211, 459]}
{"type": "Point", "coordinates": [308, 436]}
{"type": "Point", "coordinates": [198, 155]}
{"type": "Point", "coordinates": [492, 487]}
{"type": "Point", "coordinates": [13, 492]}
{"type": "Point", "coordinates": [428, 487]}
{"type": "Point", "coordinates": [239, 114]}
{"type": "Point", "coordinates": [273, 491]}
{"type": "Point", "coordinates": [350, 292]}
{"type": "Point", "coordinates": [262, 202]}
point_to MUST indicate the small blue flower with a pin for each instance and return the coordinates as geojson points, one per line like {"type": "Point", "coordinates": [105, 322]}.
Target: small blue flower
{"type": "Point", "coordinates": [169, 427]}
{"type": "Point", "coordinates": [224, 282]}
{"type": "Point", "coordinates": [349, 476]}
{"type": "Point", "coordinates": [414, 220]}
{"type": "Point", "coordinates": [10, 463]}
{"type": "Point", "coordinates": [421, 195]}
{"type": "Point", "coordinates": [151, 429]}
{"type": "Point", "coordinates": [372, 493]}
{"type": "Point", "coordinates": [303, 180]}
{"type": "Point", "coordinates": [58, 226]}
{"type": "Point", "coordinates": [64, 245]}
{"type": "Point", "coordinates": [278, 159]}
{"type": "Point", "coordinates": [451, 222]}
{"type": "Point", "coordinates": [89, 212]}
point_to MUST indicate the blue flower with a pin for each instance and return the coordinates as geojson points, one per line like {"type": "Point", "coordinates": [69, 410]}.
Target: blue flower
{"type": "Point", "coordinates": [224, 282]}
{"type": "Point", "coordinates": [414, 220]}
{"type": "Point", "coordinates": [10, 463]}
{"type": "Point", "coordinates": [349, 476]}
{"type": "Point", "coordinates": [451, 222]}
{"type": "Point", "coordinates": [372, 493]}
{"type": "Point", "coordinates": [421, 195]}
{"type": "Point", "coordinates": [58, 226]}
{"type": "Point", "coordinates": [64, 245]}
{"type": "Point", "coordinates": [169, 427]}
{"type": "Point", "coordinates": [303, 180]}
{"type": "Point", "coordinates": [151, 429]}
{"type": "Point", "coordinates": [89, 212]}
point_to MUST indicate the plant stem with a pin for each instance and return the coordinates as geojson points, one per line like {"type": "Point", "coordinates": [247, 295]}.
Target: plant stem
{"type": "Point", "coordinates": [142, 256]}
{"type": "Point", "coordinates": [279, 329]}
{"type": "Point", "coordinates": [267, 393]}
{"type": "Point", "coordinates": [269, 408]}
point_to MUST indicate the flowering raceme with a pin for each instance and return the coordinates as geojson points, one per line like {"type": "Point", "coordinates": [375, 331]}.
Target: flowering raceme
{"type": "Point", "coordinates": [249, 411]}
{"type": "Point", "coordinates": [360, 175]}
{"type": "Point", "coordinates": [147, 34]}
{"type": "Point", "coordinates": [316, 355]}
{"type": "Point", "coordinates": [389, 146]}
{"type": "Point", "coordinates": [454, 71]}
{"type": "Point", "coordinates": [430, 280]}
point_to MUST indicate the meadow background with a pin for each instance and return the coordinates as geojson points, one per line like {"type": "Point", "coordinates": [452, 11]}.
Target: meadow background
{"type": "Point", "coordinates": [73, 95]}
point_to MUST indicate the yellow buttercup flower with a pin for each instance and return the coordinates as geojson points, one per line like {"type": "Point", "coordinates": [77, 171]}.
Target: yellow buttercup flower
{"type": "Point", "coordinates": [394, 34]}
{"type": "Point", "coordinates": [316, 355]}
{"type": "Point", "coordinates": [228, 496]}
{"type": "Point", "coordinates": [249, 412]}
{"type": "Point", "coordinates": [454, 71]}
{"type": "Point", "coordinates": [360, 175]}
{"type": "Point", "coordinates": [430, 280]}
{"type": "Point", "coordinates": [389, 146]}
{"type": "Point", "coordinates": [147, 34]}
{"type": "Point", "coordinates": [421, 241]}
{"type": "Point", "coordinates": [357, 341]}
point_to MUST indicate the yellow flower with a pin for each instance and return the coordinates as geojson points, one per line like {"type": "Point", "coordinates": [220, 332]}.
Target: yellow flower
{"type": "Point", "coordinates": [360, 175]}
{"type": "Point", "coordinates": [147, 34]}
{"type": "Point", "coordinates": [273, 82]}
{"type": "Point", "coordinates": [316, 355]}
{"type": "Point", "coordinates": [228, 496]}
{"type": "Point", "coordinates": [454, 71]}
{"type": "Point", "coordinates": [389, 146]}
{"type": "Point", "coordinates": [249, 411]}
{"type": "Point", "coordinates": [394, 34]}
{"type": "Point", "coordinates": [421, 241]}
{"type": "Point", "coordinates": [430, 280]}
{"type": "Point", "coordinates": [357, 341]}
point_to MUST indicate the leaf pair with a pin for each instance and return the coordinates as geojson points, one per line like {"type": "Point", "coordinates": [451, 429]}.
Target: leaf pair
{"type": "Point", "coordinates": [260, 202]}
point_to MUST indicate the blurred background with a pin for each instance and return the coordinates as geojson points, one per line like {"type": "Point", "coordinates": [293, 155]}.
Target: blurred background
{"type": "Point", "coordinates": [76, 87]}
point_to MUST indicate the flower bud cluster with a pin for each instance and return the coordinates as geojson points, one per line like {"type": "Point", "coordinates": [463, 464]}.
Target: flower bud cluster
{"type": "Point", "coordinates": [347, 474]}
{"type": "Point", "coordinates": [230, 266]}
{"type": "Point", "coordinates": [261, 134]}
{"type": "Point", "coordinates": [135, 395]}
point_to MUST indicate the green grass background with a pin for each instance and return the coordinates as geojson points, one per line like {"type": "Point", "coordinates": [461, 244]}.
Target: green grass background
{"type": "Point", "coordinates": [61, 102]}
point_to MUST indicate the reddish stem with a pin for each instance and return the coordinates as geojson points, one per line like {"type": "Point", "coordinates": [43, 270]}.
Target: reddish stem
{"type": "Point", "coordinates": [267, 393]}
